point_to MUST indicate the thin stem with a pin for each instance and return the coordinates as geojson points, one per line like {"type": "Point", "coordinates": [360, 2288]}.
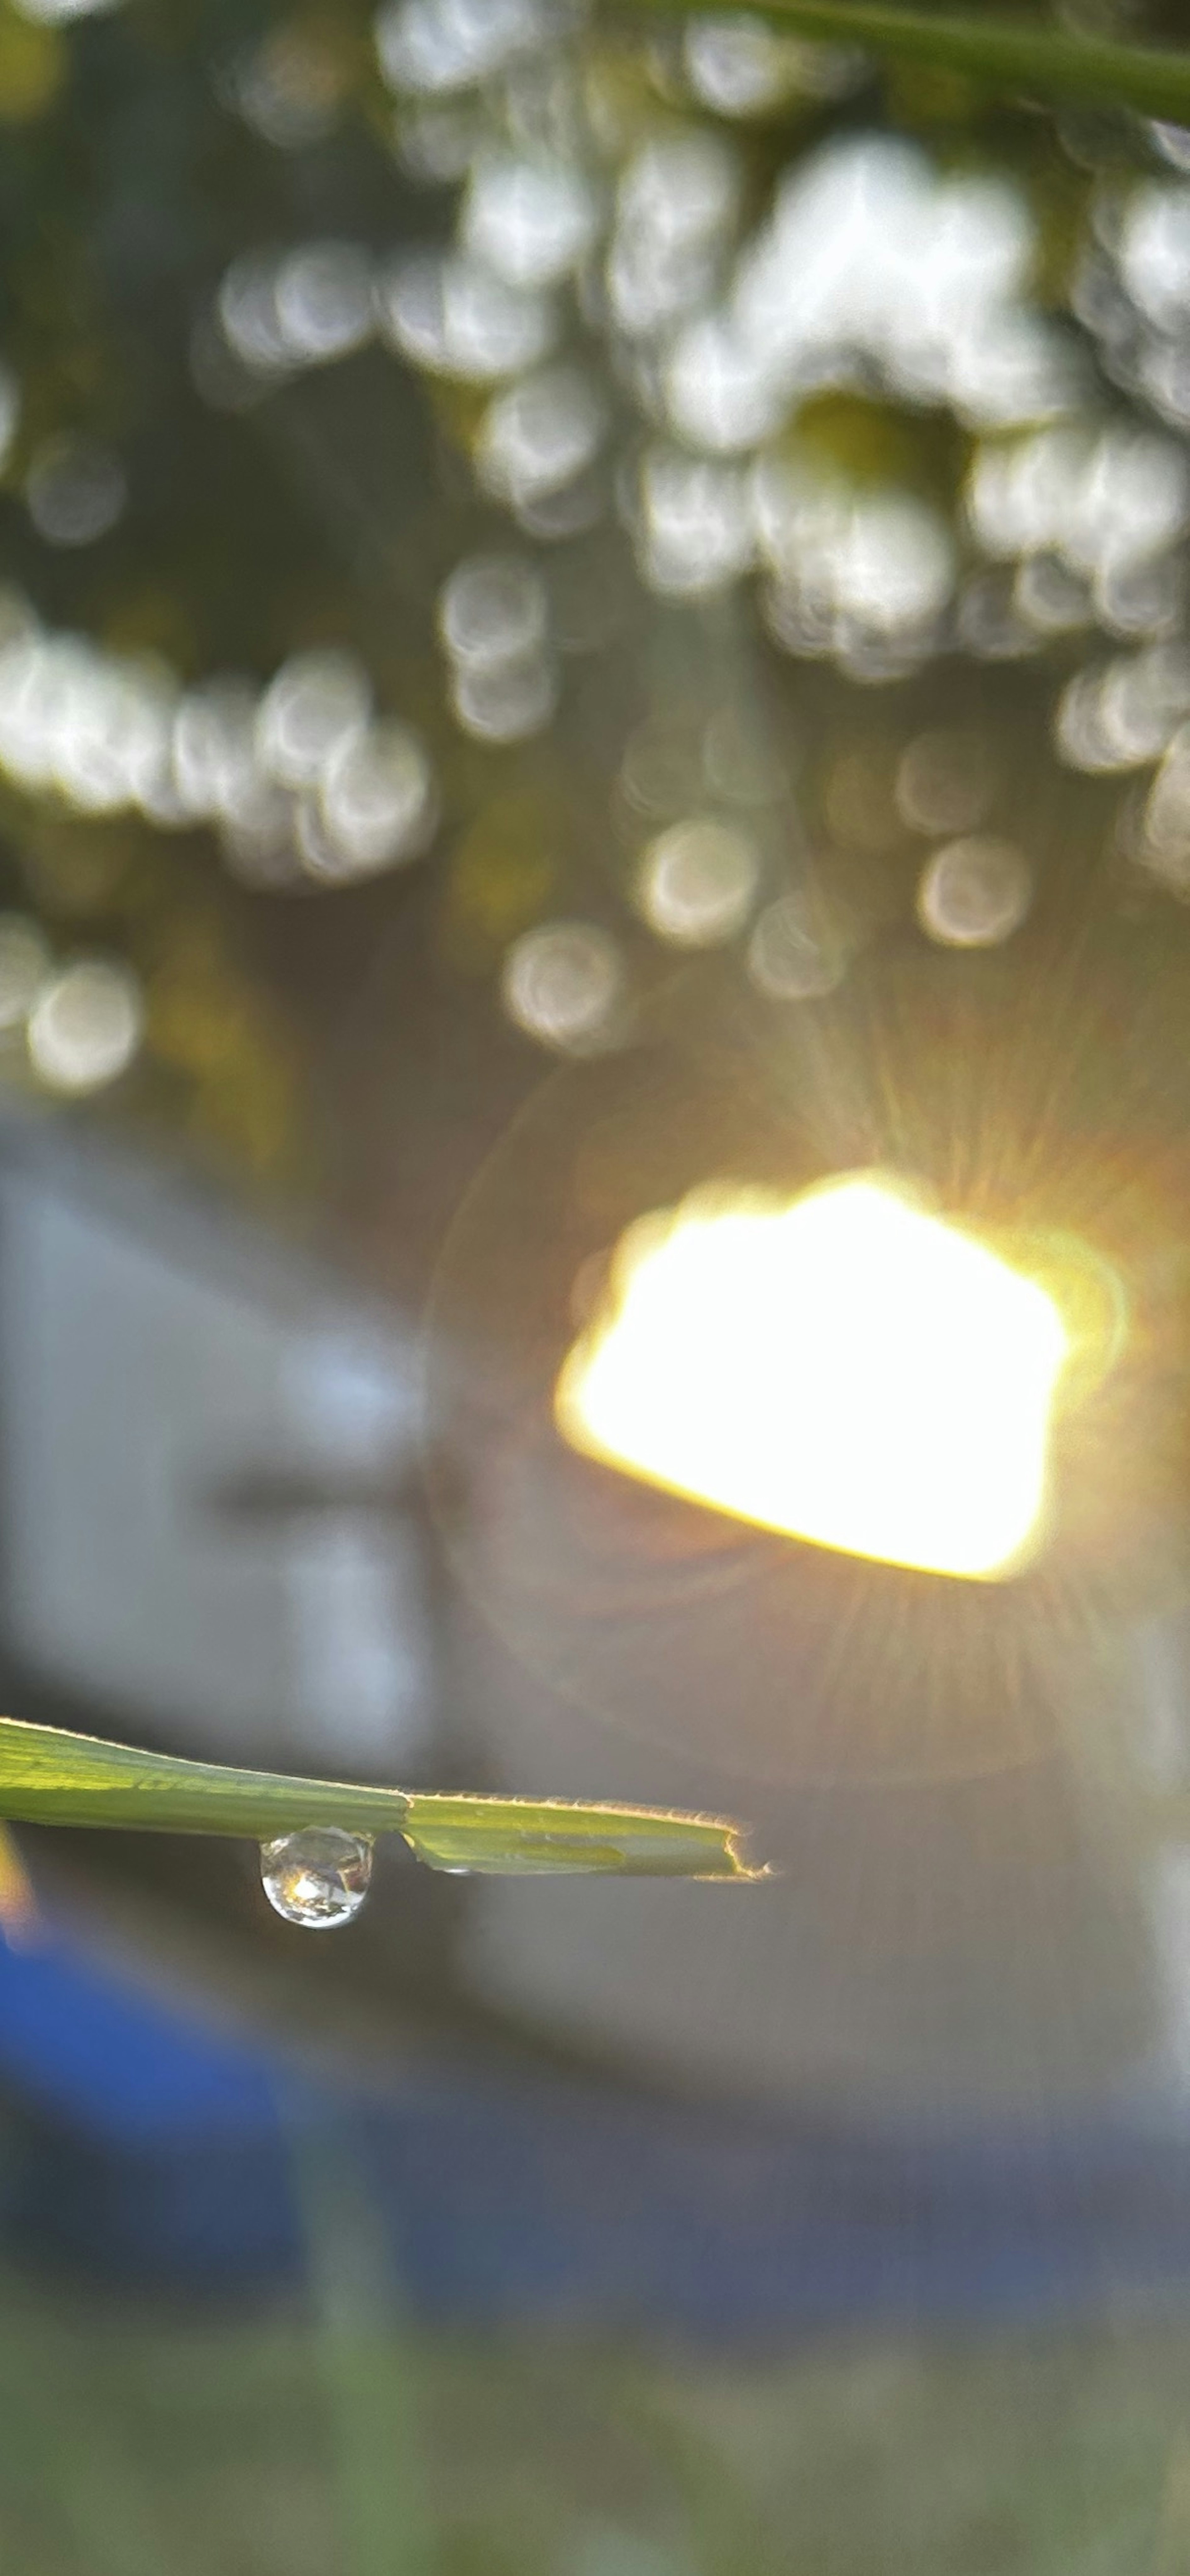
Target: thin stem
{"type": "Point", "coordinates": [1009, 53]}
{"type": "Point", "coordinates": [49, 1776]}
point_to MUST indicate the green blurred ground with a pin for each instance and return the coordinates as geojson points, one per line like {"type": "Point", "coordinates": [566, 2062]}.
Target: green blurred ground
{"type": "Point", "coordinates": [137, 2445]}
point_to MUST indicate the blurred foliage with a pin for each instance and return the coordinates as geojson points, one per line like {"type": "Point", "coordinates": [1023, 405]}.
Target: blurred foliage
{"type": "Point", "coordinates": [325, 505]}
{"type": "Point", "coordinates": [136, 2446]}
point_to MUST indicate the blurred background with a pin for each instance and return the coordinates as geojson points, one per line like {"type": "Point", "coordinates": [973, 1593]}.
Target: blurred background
{"type": "Point", "coordinates": [592, 604]}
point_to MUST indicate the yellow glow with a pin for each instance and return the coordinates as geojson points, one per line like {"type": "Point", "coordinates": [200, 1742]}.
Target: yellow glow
{"type": "Point", "coordinates": [846, 1368]}
{"type": "Point", "coordinates": [18, 1906]}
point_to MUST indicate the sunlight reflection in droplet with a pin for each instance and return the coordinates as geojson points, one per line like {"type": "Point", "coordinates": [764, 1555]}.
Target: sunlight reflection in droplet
{"type": "Point", "coordinates": [318, 1877]}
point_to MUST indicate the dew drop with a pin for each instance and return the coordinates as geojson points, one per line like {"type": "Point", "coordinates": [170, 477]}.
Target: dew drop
{"type": "Point", "coordinates": [318, 1877]}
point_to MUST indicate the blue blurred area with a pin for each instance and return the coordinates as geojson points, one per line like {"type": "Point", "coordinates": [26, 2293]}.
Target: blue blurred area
{"type": "Point", "coordinates": [147, 2148]}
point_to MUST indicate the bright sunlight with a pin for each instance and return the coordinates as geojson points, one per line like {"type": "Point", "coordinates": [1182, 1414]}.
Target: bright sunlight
{"type": "Point", "coordinates": [847, 1368]}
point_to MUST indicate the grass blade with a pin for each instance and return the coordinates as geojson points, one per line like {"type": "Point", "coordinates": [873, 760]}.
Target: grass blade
{"type": "Point", "coordinates": [515, 1836]}
{"type": "Point", "coordinates": [1009, 53]}
{"type": "Point", "coordinates": [51, 1777]}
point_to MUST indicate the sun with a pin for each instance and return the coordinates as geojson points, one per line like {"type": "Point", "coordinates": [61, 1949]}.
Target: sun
{"type": "Point", "coordinates": [846, 1367]}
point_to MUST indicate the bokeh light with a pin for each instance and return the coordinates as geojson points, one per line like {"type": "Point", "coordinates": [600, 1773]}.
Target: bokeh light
{"type": "Point", "coordinates": [738, 66]}
{"type": "Point", "coordinates": [288, 88]}
{"type": "Point", "coordinates": [60, 13]}
{"type": "Point", "coordinates": [10, 411]}
{"type": "Point", "coordinates": [695, 523]}
{"type": "Point", "coordinates": [946, 780]}
{"type": "Point", "coordinates": [75, 489]}
{"type": "Point", "coordinates": [454, 316]}
{"type": "Point", "coordinates": [323, 301]}
{"type": "Point", "coordinates": [493, 618]}
{"type": "Point", "coordinates": [316, 706]}
{"type": "Point", "coordinates": [438, 46]}
{"type": "Point", "coordinates": [506, 702]}
{"type": "Point", "coordinates": [86, 1026]}
{"type": "Point", "coordinates": [1104, 500]}
{"type": "Point", "coordinates": [79, 723]}
{"type": "Point", "coordinates": [794, 955]}
{"type": "Point", "coordinates": [676, 207]}
{"type": "Point", "coordinates": [563, 984]}
{"type": "Point", "coordinates": [530, 220]}
{"type": "Point", "coordinates": [1121, 714]}
{"type": "Point", "coordinates": [697, 882]}
{"type": "Point", "coordinates": [974, 892]}
{"type": "Point", "coordinates": [850, 568]}
{"type": "Point", "coordinates": [493, 609]}
{"type": "Point", "coordinates": [24, 968]}
{"type": "Point", "coordinates": [537, 438]}
{"type": "Point", "coordinates": [300, 780]}
{"type": "Point", "coordinates": [376, 803]}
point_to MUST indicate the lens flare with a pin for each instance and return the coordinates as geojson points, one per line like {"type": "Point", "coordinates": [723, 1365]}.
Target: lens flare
{"type": "Point", "coordinates": [847, 1368]}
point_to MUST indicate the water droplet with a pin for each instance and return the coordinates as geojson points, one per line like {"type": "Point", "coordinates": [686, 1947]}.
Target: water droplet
{"type": "Point", "coordinates": [318, 1877]}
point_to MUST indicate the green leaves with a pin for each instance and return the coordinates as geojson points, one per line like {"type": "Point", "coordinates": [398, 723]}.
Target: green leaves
{"type": "Point", "coordinates": [1035, 61]}
{"type": "Point", "coordinates": [49, 1777]}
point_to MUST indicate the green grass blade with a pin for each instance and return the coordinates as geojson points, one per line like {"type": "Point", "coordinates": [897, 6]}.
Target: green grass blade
{"type": "Point", "coordinates": [1010, 53]}
{"type": "Point", "coordinates": [514, 1836]}
{"type": "Point", "coordinates": [50, 1777]}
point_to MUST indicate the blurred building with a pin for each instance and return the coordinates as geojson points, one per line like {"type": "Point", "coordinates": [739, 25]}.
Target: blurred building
{"type": "Point", "coordinates": [211, 1538]}
{"type": "Point", "coordinates": [214, 1538]}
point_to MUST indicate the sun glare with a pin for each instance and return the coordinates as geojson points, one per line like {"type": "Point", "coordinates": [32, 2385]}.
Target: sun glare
{"type": "Point", "coordinates": [847, 1368]}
